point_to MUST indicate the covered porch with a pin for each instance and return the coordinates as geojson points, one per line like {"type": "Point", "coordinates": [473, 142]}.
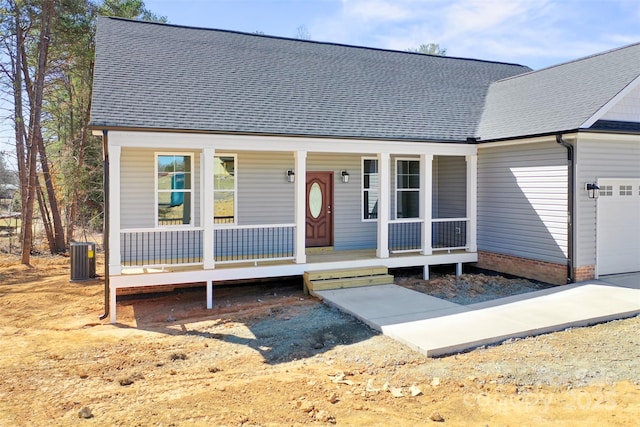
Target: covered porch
{"type": "Point", "coordinates": [402, 204]}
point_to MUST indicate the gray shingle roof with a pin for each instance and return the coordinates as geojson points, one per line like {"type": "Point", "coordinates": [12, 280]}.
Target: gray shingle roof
{"type": "Point", "coordinates": [559, 98]}
{"type": "Point", "coordinates": [159, 76]}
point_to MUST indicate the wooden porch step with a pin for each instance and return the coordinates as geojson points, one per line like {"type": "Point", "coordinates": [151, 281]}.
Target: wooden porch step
{"type": "Point", "coordinates": [346, 278]}
{"type": "Point", "coordinates": [345, 272]}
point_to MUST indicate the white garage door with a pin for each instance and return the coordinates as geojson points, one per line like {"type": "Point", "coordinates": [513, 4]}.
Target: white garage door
{"type": "Point", "coordinates": [618, 226]}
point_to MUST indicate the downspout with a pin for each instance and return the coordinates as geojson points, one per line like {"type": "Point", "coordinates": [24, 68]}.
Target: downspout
{"type": "Point", "coordinates": [105, 222]}
{"type": "Point", "coordinates": [570, 208]}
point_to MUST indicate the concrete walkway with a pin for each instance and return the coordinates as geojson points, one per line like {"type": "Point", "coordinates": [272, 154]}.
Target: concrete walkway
{"type": "Point", "coordinates": [435, 327]}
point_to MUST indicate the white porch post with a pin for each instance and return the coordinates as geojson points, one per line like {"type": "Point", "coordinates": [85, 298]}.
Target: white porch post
{"type": "Point", "coordinates": [472, 203]}
{"type": "Point", "coordinates": [114, 262]}
{"type": "Point", "coordinates": [384, 199]}
{"type": "Point", "coordinates": [208, 255]}
{"type": "Point", "coordinates": [300, 205]}
{"type": "Point", "coordinates": [112, 304]}
{"type": "Point", "coordinates": [426, 172]}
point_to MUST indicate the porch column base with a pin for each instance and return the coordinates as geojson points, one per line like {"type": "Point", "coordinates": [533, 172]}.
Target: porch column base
{"type": "Point", "coordinates": [458, 269]}
{"type": "Point", "coordinates": [380, 253]}
{"type": "Point", "coordinates": [425, 273]}
{"type": "Point", "coordinates": [115, 269]}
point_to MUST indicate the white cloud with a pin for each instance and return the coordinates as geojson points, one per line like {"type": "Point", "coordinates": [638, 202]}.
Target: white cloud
{"type": "Point", "coordinates": [531, 32]}
{"type": "Point", "coordinates": [484, 15]}
{"type": "Point", "coordinates": [376, 10]}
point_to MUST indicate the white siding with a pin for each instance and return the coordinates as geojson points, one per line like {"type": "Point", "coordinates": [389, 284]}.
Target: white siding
{"type": "Point", "coordinates": [137, 187]}
{"type": "Point", "coordinates": [522, 200]}
{"type": "Point", "coordinates": [599, 156]}
{"type": "Point", "coordinates": [627, 109]}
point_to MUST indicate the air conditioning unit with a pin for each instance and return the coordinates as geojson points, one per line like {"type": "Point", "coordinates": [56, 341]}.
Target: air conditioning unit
{"type": "Point", "coordinates": [83, 261]}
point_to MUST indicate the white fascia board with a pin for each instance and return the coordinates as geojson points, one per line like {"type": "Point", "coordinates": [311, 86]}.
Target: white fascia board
{"type": "Point", "coordinates": [521, 141]}
{"type": "Point", "coordinates": [613, 101]}
{"type": "Point", "coordinates": [168, 140]}
{"type": "Point", "coordinates": [608, 137]}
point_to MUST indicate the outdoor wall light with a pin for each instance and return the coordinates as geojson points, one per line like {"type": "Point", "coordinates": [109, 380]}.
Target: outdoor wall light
{"type": "Point", "coordinates": [345, 176]}
{"type": "Point", "coordinates": [593, 191]}
{"type": "Point", "coordinates": [290, 175]}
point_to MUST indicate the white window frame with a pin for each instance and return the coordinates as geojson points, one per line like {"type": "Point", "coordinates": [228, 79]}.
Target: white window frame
{"type": "Point", "coordinates": [191, 156]}
{"type": "Point", "coordinates": [369, 190]}
{"type": "Point", "coordinates": [235, 188]}
{"type": "Point", "coordinates": [399, 190]}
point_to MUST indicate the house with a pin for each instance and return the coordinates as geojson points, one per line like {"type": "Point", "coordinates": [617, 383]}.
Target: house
{"type": "Point", "coordinates": [536, 220]}
{"type": "Point", "coordinates": [236, 156]}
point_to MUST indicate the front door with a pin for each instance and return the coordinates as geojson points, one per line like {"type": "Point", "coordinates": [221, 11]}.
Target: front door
{"type": "Point", "coordinates": [319, 222]}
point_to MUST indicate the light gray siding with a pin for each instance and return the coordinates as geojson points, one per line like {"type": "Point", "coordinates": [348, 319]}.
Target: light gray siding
{"type": "Point", "coordinates": [522, 201]}
{"type": "Point", "coordinates": [627, 109]}
{"type": "Point", "coordinates": [350, 231]}
{"type": "Point", "coordinates": [449, 187]}
{"type": "Point", "coordinates": [264, 195]}
{"type": "Point", "coordinates": [137, 191]}
{"type": "Point", "coordinates": [599, 157]}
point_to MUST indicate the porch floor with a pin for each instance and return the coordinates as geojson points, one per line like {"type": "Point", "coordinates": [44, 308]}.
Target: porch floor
{"type": "Point", "coordinates": [314, 257]}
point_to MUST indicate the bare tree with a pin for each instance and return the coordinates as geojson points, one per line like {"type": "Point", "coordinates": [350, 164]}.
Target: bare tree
{"type": "Point", "coordinates": [34, 141]}
{"type": "Point", "coordinates": [302, 33]}
{"type": "Point", "coordinates": [47, 66]}
{"type": "Point", "coordinates": [429, 49]}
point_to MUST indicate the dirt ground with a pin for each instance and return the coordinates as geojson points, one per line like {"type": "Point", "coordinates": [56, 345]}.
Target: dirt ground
{"type": "Point", "coordinates": [267, 355]}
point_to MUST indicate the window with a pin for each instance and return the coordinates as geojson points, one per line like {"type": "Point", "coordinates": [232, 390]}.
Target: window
{"type": "Point", "coordinates": [626, 190]}
{"type": "Point", "coordinates": [407, 188]}
{"type": "Point", "coordinates": [370, 189]}
{"type": "Point", "coordinates": [174, 189]}
{"type": "Point", "coordinates": [606, 190]}
{"type": "Point", "coordinates": [224, 189]}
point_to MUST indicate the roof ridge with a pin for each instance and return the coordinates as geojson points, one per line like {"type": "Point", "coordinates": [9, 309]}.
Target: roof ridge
{"type": "Point", "coordinates": [189, 27]}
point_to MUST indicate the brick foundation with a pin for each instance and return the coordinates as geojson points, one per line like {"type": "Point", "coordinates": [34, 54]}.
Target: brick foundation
{"type": "Point", "coordinates": [531, 269]}
{"type": "Point", "coordinates": [586, 272]}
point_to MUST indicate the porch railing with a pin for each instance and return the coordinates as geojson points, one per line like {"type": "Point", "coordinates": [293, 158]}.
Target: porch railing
{"type": "Point", "coordinates": [252, 243]}
{"type": "Point", "coordinates": [158, 247]}
{"type": "Point", "coordinates": [405, 235]}
{"type": "Point", "coordinates": [449, 233]}
{"type": "Point", "coordinates": [233, 244]}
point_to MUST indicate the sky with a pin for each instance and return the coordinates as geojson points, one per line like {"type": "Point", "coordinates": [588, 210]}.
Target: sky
{"type": "Point", "coordinates": [536, 33]}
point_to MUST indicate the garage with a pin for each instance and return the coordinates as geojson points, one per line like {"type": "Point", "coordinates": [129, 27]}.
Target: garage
{"type": "Point", "coordinates": [618, 241]}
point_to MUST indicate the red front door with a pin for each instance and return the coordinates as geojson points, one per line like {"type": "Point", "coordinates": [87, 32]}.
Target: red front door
{"type": "Point", "coordinates": [319, 209]}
